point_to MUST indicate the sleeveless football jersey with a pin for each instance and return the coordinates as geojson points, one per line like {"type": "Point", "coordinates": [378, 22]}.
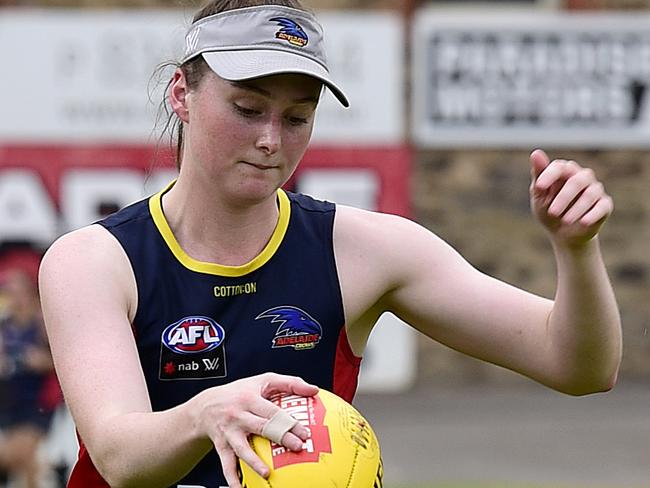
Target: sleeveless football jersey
{"type": "Point", "coordinates": [200, 325]}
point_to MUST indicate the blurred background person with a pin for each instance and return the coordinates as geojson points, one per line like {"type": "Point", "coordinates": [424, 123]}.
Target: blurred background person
{"type": "Point", "coordinates": [26, 370]}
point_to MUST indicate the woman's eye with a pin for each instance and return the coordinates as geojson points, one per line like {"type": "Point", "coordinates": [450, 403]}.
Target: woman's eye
{"type": "Point", "coordinates": [246, 112]}
{"type": "Point", "coordinates": [297, 120]}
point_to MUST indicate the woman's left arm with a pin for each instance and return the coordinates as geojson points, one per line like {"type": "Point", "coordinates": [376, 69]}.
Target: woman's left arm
{"type": "Point", "coordinates": [572, 205]}
{"type": "Point", "coordinates": [571, 344]}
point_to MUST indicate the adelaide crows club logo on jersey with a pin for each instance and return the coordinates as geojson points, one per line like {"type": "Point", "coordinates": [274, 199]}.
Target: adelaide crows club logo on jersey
{"type": "Point", "coordinates": [290, 32]}
{"type": "Point", "coordinates": [296, 328]}
{"type": "Point", "coordinates": [192, 348]}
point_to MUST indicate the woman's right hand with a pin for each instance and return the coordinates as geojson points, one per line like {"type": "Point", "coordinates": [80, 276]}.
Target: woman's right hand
{"type": "Point", "coordinates": [228, 414]}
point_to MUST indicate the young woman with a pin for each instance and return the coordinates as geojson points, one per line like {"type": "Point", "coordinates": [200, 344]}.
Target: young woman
{"type": "Point", "coordinates": [173, 321]}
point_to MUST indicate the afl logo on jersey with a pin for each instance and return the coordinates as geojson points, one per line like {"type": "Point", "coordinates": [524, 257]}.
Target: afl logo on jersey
{"type": "Point", "coordinates": [193, 335]}
{"type": "Point", "coordinates": [193, 348]}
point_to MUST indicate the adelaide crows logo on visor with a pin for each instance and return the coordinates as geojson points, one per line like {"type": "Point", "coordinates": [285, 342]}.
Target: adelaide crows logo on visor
{"type": "Point", "coordinates": [296, 328]}
{"type": "Point", "coordinates": [192, 348]}
{"type": "Point", "coordinates": [290, 32]}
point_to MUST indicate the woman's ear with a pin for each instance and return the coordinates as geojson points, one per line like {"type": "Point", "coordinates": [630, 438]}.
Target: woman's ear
{"type": "Point", "coordinates": [178, 95]}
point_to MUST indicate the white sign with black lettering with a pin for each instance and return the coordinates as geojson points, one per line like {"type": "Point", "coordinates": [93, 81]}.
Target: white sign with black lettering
{"type": "Point", "coordinates": [82, 76]}
{"type": "Point", "coordinates": [522, 79]}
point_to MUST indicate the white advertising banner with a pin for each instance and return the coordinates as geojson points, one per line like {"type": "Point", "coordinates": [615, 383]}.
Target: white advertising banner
{"type": "Point", "coordinates": [366, 54]}
{"type": "Point", "coordinates": [86, 76]}
{"type": "Point", "coordinates": [512, 79]}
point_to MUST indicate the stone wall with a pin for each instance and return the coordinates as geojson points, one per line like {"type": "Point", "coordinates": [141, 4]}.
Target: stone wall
{"type": "Point", "coordinates": [478, 202]}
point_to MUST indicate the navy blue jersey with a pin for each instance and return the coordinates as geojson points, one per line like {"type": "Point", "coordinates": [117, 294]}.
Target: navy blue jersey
{"type": "Point", "coordinates": [202, 324]}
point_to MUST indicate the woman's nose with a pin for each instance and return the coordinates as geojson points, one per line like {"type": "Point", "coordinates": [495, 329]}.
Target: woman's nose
{"type": "Point", "coordinates": [270, 138]}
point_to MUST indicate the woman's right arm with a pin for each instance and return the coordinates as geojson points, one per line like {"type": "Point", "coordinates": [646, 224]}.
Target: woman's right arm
{"type": "Point", "coordinates": [89, 298]}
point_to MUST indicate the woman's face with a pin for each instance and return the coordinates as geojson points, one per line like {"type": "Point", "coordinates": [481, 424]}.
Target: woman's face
{"type": "Point", "coordinates": [246, 138]}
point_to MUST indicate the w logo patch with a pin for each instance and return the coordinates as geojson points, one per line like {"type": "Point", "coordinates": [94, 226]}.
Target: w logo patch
{"type": "Point", "coordinates": [192, 39]}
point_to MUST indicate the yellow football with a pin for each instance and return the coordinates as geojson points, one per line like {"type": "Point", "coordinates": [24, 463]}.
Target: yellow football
{"type": "Point", "coordinates": [342, 452]}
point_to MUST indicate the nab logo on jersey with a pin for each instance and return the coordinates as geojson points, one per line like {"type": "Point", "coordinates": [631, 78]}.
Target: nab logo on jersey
{"type": "Point", "coordinates": [193, 348]}
{"type": "Point", "coordinates": [193, 335]}
{"type": "Point", "coordinates": [296, 327]}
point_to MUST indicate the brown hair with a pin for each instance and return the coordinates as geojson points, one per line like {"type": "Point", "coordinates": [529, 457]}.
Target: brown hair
{"type": "Point", "coordinates": [195, 68]}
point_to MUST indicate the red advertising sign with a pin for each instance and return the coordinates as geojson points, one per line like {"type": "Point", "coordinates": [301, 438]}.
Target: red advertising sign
{"type": "Point", "coordinates": [46, 190]}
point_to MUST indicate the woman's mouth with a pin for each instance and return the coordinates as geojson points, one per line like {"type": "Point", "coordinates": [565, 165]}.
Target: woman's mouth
{"type": "Point", "coordinates": [262, 167]}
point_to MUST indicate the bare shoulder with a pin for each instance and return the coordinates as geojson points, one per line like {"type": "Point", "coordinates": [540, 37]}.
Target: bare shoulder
{"type": "Point", "coordinates": [372, 227]}
{"type": "Point", "coordinates": [379, 253]}
{"type": "Point", "coordinates": [89, 246]}
{"type": "Point", "coordinates": [86, 260]}
{"type": "Point", "coordinates": [86, 240]}
{"type": "Point", "coordinates": [380, 236]}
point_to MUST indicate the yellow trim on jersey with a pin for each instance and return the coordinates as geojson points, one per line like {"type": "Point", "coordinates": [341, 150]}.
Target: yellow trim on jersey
{"type": "Point", "coordinates": [155, 207]}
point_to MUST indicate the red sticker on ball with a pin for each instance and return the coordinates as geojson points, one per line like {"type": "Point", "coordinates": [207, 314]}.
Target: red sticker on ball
{"type": "Point", "coordinates": [310, 412]}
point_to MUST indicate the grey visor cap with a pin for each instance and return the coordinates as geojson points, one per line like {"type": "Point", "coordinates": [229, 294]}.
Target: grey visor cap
{"type": "Point", "coordinates": [252, 42]}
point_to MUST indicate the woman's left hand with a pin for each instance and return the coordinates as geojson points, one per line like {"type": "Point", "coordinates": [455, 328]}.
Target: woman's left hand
{"type": "Point", "coordinates": [567, 199]}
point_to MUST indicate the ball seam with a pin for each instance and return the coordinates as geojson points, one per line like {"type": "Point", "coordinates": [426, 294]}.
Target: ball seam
{"type": "Point", "coordinates": [354, 466]}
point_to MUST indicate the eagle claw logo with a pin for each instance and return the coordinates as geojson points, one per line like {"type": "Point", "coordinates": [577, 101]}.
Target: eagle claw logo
{"type": "Point", "coordinates": [290, 32]}
{"type": "Point", "coordinates": [297, 328]}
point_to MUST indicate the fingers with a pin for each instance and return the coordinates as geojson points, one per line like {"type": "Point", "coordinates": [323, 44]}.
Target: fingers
{"type": "Point", "coordinates": [567, 198]}
{"type": "Point", "coordinates": [274, 383]}
{"type": "Point", "coordinates": [233, 444]}
{"type": "Point", "coordinates": [539, 160]}
{"type": "Point", "coordinates": [230, 413]}
{"type": "Point", "coordinates": [242, 449]}
{"type": "Point", "coordinates": [229, 465]}
{"type": "Point", "coordinates": [572, 191]}
{"type": "Point", "coordinates": [578, 194]}
{"type": "Point", "coordinates": [558, 170]}
{"type": "Point", "coordinates": [278, 425]}
{"type": "Point", "coordinates": [575, 200]}
{"type": "Point", "coordinates": [599, 212]}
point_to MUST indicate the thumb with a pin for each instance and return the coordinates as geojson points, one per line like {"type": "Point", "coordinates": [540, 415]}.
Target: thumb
{"type": "Point", "coordinates": [539, 160]}
{"type": "Point", "coordinates": [303, 388]}
{"type": "Point", "coordinates": [277, 383]}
